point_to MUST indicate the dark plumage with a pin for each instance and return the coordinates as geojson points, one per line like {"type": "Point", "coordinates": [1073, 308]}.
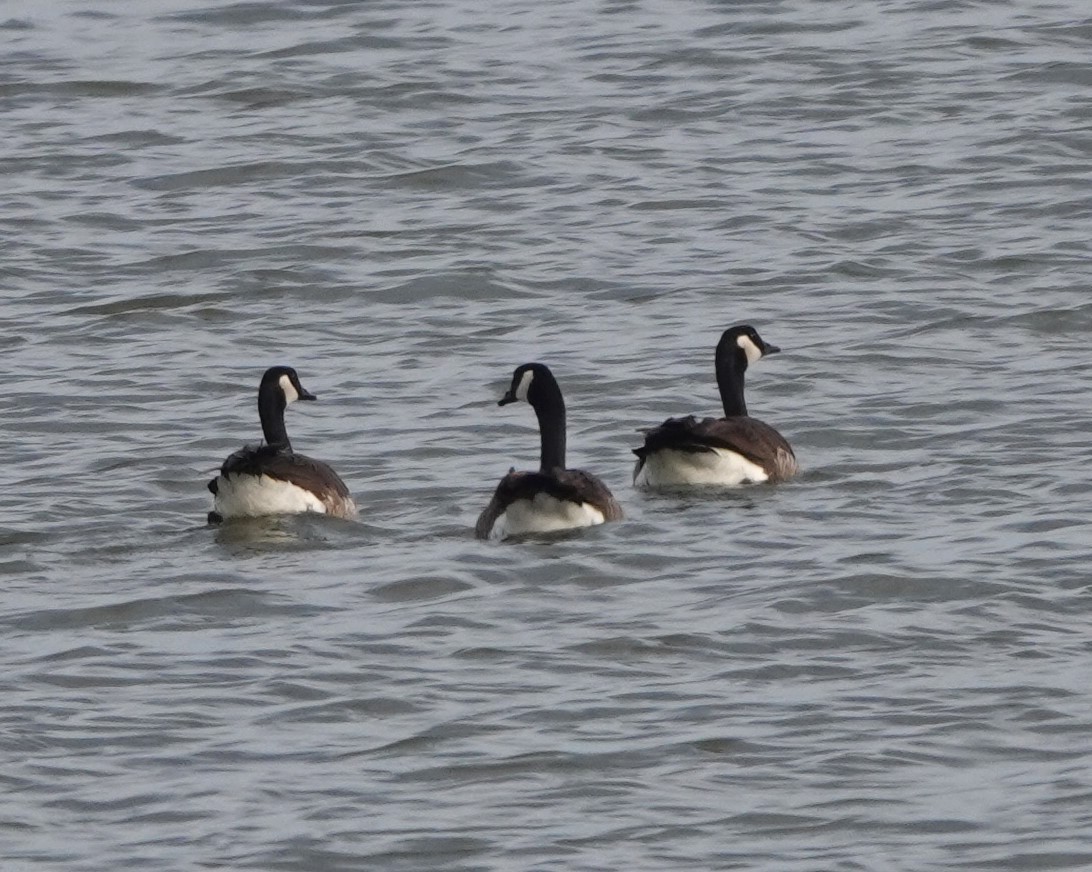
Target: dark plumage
{"type": "Point", "coordinates": [272, 478]}
{"type": "Point", "coordinates": [553, 498]}
{"type": "Point", "coordinates": [728, 451]}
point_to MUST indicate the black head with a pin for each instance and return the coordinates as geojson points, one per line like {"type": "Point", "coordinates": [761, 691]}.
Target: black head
{"type": "Point", "coordinates": [285, 380]}
{"type": "Point", "coordinates": [530, 382]}
{"type": "Point", "coordinates": [743, 343]}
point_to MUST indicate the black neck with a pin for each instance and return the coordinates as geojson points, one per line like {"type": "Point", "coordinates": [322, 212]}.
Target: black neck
{"type": "Point", "coordinates": [731, 365]}
{"type": "Point", "coordinates": [550, 408]}
{"type": "Point", "coordinates": [271, 407]}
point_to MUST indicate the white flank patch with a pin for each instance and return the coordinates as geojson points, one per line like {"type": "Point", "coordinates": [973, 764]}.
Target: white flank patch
{"type": "Point", "coordinates": [251, 496]}
{"type": "Point", "coordinates": [749, 348]}
{"type": "Point", "coordinates": [524, 385]}
{"type": "Point", "coordinates": [290, 392]}
{"type": "Point", "coordinates": [544, 514]}
{"type": "Point", "coordinates": [668, 468]}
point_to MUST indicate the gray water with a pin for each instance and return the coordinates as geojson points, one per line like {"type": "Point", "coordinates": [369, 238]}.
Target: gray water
{"type": "Point", "coordinates": [882, 665]}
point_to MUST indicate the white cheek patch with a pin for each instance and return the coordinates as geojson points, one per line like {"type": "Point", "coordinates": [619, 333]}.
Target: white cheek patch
{"type": "Point", "coordinates": [524, 385]}
{"type": "Point", "coordinates": [749, 348]}
{"type": "Point", "coordinates": [290, 393]}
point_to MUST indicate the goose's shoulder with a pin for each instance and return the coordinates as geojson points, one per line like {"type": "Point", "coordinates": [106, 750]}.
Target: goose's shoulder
{"type": "Point", "coordinates": [574, 485]}
{"type": "Point", "coordinates": [579, 486]}
{"type": "Point", "coordinates": [677, 433]}
{"type": "Point", "coordinates": [755, 440]}
{"type": "Point", "coordinates": [247, 460]}
{"type": "Point", "coordinates": [524, 484]}
{"type": "Point", "coordinates": [740, 430]}
{"type": "Point", "coordinates": [299, 469]}
{"type": "Point", "coordinates": [711, 432]}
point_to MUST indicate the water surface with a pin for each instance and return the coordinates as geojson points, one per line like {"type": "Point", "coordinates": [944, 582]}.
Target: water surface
{"type": "Point", "coordinates": [881, 665]}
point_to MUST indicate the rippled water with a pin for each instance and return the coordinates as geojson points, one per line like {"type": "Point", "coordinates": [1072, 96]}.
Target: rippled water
{"type": "Point", "coordinates": [882, 665]}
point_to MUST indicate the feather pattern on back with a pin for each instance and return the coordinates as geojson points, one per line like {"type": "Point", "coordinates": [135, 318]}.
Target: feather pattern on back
{"type": "Point", "coordinates": [565, 485]}
{"type": "Point", "coordinates": [752, 439]}
{"type": "Point", "coordinates": [287, 466]}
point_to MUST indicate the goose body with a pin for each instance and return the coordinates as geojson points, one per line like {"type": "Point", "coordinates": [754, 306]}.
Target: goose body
{"type": "Point", "coordinates": [272, 479]}
{"type": "Point", "coordinates": [552, 498]}
{"type": "Point", "coordinates": [725, 452]}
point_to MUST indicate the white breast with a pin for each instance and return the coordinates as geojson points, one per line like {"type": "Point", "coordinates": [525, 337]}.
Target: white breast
{"type": "Point", "coordinates": [669, 468]}
{"type": "Point", "coordinates": [251, 496]}
{"type": "Point", "coordinates": [544, 514]}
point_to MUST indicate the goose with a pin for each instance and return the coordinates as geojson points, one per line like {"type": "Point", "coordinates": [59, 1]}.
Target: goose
{"type": "Point", "coordinates": [553, 498]}
{"type": "Point", "coordinates": [733, 450]}
{"type": "Point", "coordinates": [271, 479]}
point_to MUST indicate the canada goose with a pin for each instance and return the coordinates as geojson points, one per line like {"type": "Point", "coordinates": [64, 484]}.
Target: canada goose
{"type": "Point", "coordinates": [272, 479]}
{"type": "Point", "coordinates": [554, 498]}
{"type": "Point", "coordinates": [728, 451]}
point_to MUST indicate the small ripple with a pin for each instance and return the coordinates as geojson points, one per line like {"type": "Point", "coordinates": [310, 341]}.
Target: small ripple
{"type": "Point", "coordinates": [418, 589]}
{"type": "Point", "coordinates": [224, 605]}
